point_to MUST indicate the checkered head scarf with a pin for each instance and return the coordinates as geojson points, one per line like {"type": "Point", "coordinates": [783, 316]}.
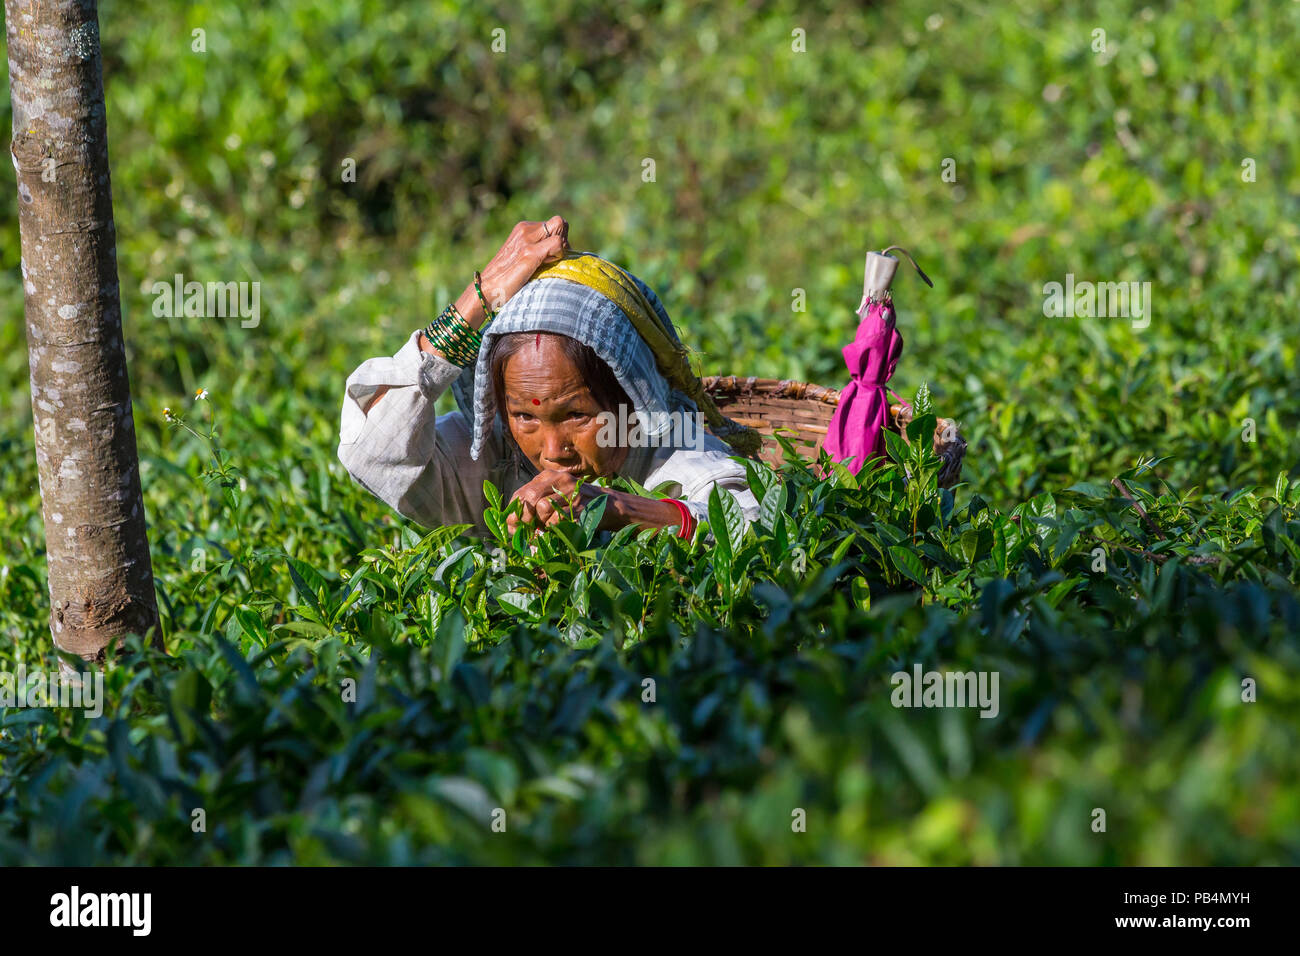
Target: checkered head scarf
{"type": "Point", "coordinates": [590, 305]}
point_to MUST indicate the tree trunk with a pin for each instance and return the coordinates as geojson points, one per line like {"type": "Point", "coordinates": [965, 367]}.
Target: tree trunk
{"type": "Point", "coordinates": [101, 577]}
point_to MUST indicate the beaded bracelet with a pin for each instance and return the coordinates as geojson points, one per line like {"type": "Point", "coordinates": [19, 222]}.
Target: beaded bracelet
{"type": "Point", "coordinates": [451, 335]}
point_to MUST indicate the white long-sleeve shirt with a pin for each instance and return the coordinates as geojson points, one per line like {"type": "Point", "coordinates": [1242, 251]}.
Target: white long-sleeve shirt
{"type": "Point", "coordinates": [419, 463]}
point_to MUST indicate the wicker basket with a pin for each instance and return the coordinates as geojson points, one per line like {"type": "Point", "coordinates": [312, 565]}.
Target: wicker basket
{"type": "Point", "coordinates": [803, 411]}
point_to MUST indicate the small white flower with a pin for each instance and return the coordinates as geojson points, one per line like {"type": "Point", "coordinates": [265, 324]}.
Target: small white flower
{"type": "Point", "coordinates": [167, 415]}
{"type": "Point", "coordinates": [201, 394]}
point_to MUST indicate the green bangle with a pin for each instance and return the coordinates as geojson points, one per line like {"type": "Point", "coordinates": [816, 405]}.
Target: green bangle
{"type": "Point", "coordinates": [478, 287]}
{"type": "Point", "coordinates": [453, 336]}
{"type": "Point", "coordinates": [436, 333]}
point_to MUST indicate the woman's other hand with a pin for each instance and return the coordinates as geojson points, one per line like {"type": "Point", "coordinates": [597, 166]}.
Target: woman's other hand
{"type": "Point", "coordinates": [548, 499]}
{"type": "Point", "coordinates": [554, 495]}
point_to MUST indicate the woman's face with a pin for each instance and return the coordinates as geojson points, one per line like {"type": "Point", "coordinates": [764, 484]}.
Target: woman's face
{"type": "Point", "coordinates": [552, 414]}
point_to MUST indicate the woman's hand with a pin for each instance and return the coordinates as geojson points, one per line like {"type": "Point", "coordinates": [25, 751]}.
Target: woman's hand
{"type": "Point", "coordinates": [554, 496]}
{"type": "Point", "coordinates": [529, 246]}
{"type": "Point", "coordinates": [549, 498]}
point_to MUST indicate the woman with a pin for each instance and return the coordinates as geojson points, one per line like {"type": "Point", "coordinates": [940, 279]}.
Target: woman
{"type": "Point", "coordinates": [538, 387]}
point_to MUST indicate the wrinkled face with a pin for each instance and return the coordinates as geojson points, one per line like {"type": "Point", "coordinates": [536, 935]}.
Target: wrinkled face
{"type": "Point", "coordinates": [552, 414]}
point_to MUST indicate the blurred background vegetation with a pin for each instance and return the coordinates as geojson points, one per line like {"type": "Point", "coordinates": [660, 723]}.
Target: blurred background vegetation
{"type": "Point", "coordinates": [775, 171]}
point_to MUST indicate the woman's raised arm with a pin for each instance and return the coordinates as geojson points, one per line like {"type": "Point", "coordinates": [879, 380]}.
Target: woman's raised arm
{"type": "Point", "coordinates": [529, 246]}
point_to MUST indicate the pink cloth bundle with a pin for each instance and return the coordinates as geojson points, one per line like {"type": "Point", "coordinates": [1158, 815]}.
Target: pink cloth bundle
{"type": "Point", "coordinates": [857, 430]}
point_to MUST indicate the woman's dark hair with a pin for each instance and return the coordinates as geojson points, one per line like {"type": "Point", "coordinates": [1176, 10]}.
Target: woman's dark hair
{"type": "Point", "coordinates": [597, 376]}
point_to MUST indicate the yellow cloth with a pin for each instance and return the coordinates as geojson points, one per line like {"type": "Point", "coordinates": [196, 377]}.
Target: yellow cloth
{"type": "Point", "coordinates": [610, 281]}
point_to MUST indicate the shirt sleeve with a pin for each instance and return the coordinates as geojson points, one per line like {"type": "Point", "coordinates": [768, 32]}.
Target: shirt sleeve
{"type": "Point", "coordinates": [738, 488]}
{"type": "Point", "coordinates": [400, 452]}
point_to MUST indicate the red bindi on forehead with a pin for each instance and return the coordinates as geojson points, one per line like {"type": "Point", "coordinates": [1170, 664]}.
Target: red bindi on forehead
{"type": "Point", "coordinates": [537, 401]}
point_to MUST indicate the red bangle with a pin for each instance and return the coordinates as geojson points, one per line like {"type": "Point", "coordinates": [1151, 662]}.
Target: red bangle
{"type": "Point", "coordinates": [688, 519]}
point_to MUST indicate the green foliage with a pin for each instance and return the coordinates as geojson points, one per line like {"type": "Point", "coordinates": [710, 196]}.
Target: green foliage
{"type": "Point", "coordinates": [341, 686]}
{"type": "Point", "coordinates": [511, 673]}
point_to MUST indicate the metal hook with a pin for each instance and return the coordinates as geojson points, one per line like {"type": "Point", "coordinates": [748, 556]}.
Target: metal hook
{"type": "Point", "coordinates": [885, 252]}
